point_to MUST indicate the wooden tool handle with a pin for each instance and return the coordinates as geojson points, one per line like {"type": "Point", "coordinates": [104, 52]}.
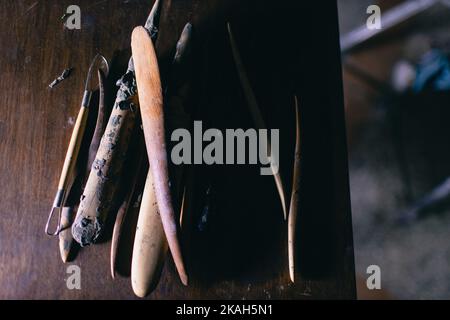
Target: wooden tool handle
{"type": "Point", "coordinates": [151, 102]}
{"type": "Point", "coordinates": [74, 147]}
{"type": "Point", "coordinates": [150, 244]}
{"type": "Point", "coordinates": [68, 172]}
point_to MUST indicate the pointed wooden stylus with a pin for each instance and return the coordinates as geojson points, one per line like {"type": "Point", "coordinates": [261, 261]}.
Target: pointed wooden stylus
{"type": "Point", "coordinates": [293, 208]}
{"type": "Point", "coordinates": [256, 113]}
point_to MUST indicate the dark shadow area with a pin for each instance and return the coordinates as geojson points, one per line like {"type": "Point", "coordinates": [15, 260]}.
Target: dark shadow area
{"type": "Point", "coordinates": [245, 236]}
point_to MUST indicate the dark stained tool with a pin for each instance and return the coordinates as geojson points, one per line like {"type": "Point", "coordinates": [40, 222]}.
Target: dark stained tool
{"type": "Point", "coordinates": [255, 113]}
{"type": "Point", "coordinates": [151, 102]}
{"type": "Point", "coordinates": [138, 164]}
{"type": "Point", "coordinates": [98, 195]}
{"type": "Point", "coordinates": [293, 207]}
{"type": "Point", "coordinates": [67, 175]}
{"type": "Point", "coordinates": [100, 125]}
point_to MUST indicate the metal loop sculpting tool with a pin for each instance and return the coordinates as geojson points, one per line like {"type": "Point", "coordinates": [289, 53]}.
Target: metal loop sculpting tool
{"type": "Point", "coordinates": [67, 175]}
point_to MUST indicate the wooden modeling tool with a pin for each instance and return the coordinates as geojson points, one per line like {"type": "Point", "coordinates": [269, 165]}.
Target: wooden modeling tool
{"type": "Point", "coordinates": [65, 235]}
{"type": "Point", "coordinates": [151, 102]}
{"type": "Point", "coordinates": [293, 208]}
{"type": "Point", "coordinates": [68, 172]}
{"type": "Point", "coordinates": [256, 114]}
{"type": "Point", "coordinates": [139, 169]}
{"type": "Point", "coordinates": [150, 244]}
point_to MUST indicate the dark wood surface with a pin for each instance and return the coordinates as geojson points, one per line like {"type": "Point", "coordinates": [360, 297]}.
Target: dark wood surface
{"type": "Point", "coordinates": [288, 48]}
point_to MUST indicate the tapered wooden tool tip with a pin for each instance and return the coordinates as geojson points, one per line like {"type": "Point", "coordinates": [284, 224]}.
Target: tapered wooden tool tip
{"type": "Point", "coordinates": [116, 235]}
{"type": "Point", "coordinates": [146, 68]}
{"type": "Point", "coordinates": [184, 279]}
{"type": "Point", "coordinates": [113, 263]}
{"type": "Point", "coordinates": [139, 291]}
{"type": "Point", "coordinates": [65, 236]}
{"type": "Point", "coordinates": [63, 251]}
{"type": "Point", "coordinates": [292, 274]}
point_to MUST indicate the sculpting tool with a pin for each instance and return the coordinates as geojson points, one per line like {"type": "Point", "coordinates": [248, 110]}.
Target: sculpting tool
{"type": "Point", "coordinates": [255, 113]}
{"type": "Point", "coordinates": [151, 102]}
{"type": "Point", "coordinates": [150, 244]}
{"type": "Point", "coordinates": [293, 208]}
{"type": "Point", "coordinates": [67, 175]}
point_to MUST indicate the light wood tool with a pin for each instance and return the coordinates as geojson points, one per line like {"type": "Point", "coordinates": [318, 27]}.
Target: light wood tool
{"type": "Point", "coordinates": [68, 172]}
{"type": "Point", "coordinates": [150, 245]}
{"type": "Point", "coordinates": [65, 236]}
{"type": "Point", "coordinates": [151, 102]}
{"type": "Point", "coordinates": [256, 114]}
{"type": "Point", "coordinates": [293, 208]}
{"type": "Point", "coordinates": [152, 26]}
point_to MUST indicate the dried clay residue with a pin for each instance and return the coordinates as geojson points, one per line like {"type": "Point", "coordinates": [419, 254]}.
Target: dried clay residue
{"type": "Point", "coordinates": [86, 231]}
{"type": "Point", "coordinates": [127, 89]}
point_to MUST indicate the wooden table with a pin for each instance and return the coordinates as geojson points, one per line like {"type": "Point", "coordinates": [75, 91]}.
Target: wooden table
{"type": "Point", "coordinates": [289, 47]}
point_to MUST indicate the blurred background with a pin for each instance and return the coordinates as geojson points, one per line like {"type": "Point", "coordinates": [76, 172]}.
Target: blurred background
{"type": "Point", "coordinates": [397, 98]}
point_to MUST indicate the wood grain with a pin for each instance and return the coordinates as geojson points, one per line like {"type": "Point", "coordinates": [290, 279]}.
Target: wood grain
{"type": "Point", "coordinates": [152, 114]}
{"type": "Point", "coordinates": [150, 244]}
{"type": "Point", "coordinates": [282, 57]}
{"type": "Point", "coordinates": [293, 205]}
